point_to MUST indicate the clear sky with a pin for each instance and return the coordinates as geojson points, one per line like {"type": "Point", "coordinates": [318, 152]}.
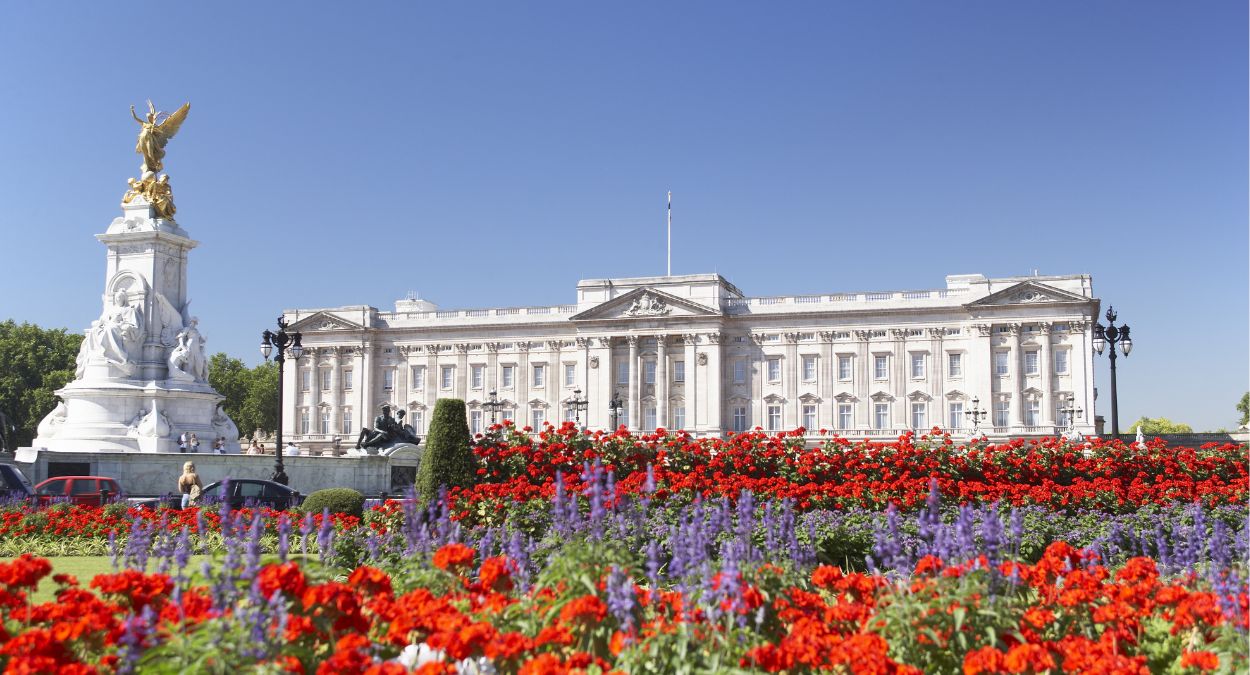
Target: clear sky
{"type": "Point", "coordinates": [490, 154]}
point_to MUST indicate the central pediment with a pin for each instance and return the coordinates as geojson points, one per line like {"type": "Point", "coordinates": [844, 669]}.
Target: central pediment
{"type": "Point", "coordinates": [1029, 293]}
{"type": "Point", "coordinates": [644, 303]}
{"type": "Point", "coordinates": [324, 321]}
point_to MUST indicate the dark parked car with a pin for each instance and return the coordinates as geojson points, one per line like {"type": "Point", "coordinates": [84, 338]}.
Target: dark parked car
{"type": "Point", "coordinates": [14, 485]}
{"type": "Point", "coordinates": [85, 490]}
{"type": "Point", "coordinates": [242, 492]}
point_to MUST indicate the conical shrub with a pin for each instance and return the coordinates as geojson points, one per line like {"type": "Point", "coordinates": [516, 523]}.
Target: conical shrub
{"type": "Point", "coordinates": [448, 458]}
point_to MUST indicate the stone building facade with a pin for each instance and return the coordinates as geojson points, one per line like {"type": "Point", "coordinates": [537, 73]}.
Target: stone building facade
{"type": "Point", "coordinates": [693, 352]}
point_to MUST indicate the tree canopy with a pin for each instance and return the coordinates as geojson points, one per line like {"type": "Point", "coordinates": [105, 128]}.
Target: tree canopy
{"type": "Point", "coordinates": [1157, 426]}
{"type": "Point", "coordinates": [251, 393]}
{"type": "Point", "coordinates": [1243, 407]}
{"type": "Point", "coordinates": [34, 363]}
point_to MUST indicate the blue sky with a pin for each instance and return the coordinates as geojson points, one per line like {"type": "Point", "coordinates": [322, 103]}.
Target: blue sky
{"type": "Point", "coordinates": [346, 153]}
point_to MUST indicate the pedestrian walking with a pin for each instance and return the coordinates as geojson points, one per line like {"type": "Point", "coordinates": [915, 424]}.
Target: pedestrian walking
{"type": "Point", "coordinates": [189, 485]}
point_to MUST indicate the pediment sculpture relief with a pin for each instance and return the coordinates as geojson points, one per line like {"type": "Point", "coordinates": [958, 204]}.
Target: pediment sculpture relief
{"type": "Point", "coordinates": [648, 305]}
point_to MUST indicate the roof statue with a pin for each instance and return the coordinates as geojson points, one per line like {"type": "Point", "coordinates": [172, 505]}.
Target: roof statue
{"type": "Point", "coordinates": [155, 130]}
{"type": "Point", "coordinates": [154, 134]}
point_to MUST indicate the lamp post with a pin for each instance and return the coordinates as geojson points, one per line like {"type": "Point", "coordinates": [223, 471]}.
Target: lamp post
{"type": "Point", "coordinates": [282, 341]}
{"type": "Point", "coordinates": [976, 414]}
{"type": "Point", "coordinates": [615, 410]}
{"type": "Point", "coordinates": [1109, 336]}
{"type": "Point", "coordinates": [577, 404]}
{"type": "Point", "coordinates": [1070, 413]}
{"type": "Point", "coordinates": [494, 405]}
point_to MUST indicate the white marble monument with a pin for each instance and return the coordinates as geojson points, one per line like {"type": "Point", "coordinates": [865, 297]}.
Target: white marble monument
{"type": "Point", "coordinates": [142, 378]}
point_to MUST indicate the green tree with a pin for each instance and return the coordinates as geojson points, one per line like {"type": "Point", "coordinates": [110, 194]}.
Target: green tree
{"type": "Point", "coordinates": [1157, 426]}
{"type": "Point", "coordinates": [1243, 407]}
{"type": "Point", "coordinates": [34, 363]}
{"type": "Point", "coordinates": [251, 393]}
{"type": "Point", "coordinates": [448, 459]}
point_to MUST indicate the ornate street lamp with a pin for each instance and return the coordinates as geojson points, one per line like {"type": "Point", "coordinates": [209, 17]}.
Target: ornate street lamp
{"type": "Point", "coordinates": [1070, 413]}
{"type": "Point", "coordinates": [285, 343]}
{"type": "Point", "coordinates": [615, 410]}
{"type": "Point", "coordinates": [976, 414]}
{"type": "Point", "coordinates": [577, 404]}
{"type": "Point", "coordinates": [1110, 336]}
{"type": "Point", "coordinates": [494, 405]}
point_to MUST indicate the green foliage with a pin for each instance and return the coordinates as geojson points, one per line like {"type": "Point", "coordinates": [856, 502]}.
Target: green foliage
{"type": "Point", "coordinates": [1243, 407]}
{"type": "Point", "coordinates": [448, 459]}
{"type": "Point", "coordinates": [35, 363]}
{"type": "Point", "coordinates": [251, 393]}
{"type": "Point", "coordinates": [338, 500]}
{"type": "Point", "coordinates": [1157, 426]}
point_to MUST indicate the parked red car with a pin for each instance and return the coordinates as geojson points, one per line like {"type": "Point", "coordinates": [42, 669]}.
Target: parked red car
{"type": "Point", "coordinates": [77, 489]}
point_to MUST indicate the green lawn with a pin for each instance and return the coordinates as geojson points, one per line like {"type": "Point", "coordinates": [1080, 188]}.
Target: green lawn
{"type": "Point", "coordinates": [87, 566]}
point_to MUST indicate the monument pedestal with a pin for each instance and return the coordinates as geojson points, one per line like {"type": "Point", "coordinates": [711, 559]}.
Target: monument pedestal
{"type": "Point", "coordinates": [141, 380]}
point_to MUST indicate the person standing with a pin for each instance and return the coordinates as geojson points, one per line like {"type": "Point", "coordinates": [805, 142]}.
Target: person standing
{"type": "Point", "coordinates": [182, 442]}
{"type": "Point", "coordinates": [219, 446]}
{"type": "Point", "coordinates": [255, 449]}
{"type": "Point", "coordinates": [189, 484]}
{"type": "Point", "coordinates": [195, 442]}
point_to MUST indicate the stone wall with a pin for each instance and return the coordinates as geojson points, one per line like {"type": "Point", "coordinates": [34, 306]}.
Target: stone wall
{"type": "Point", "coordinates": [157, 473]}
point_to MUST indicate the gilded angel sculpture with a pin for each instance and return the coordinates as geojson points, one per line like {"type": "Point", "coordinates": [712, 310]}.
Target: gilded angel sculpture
{"type": "Point", "coordinates": [155, 132]}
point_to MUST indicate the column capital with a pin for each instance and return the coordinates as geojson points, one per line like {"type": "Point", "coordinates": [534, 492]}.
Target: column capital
{"type": "Point", "coordinates": [937, 332]}
{"type": "Point", "coordinates": [582, 342]}
{"type": "Point", "coordinates": [792, 338]}
{"type": "Point", "coordinates": [1014, 329]}
{"type": "Point", "coordinates": [863, 335]}
{"type": "Point", "coordinates": [983, 329]}
{"type": "Point", "coordinates": [433, 348]}
{"type": "Point", "coordinates": [554, 345]}
{"type": "Point", "coordinates": [826, 336]}
{"type": "Point", "coordinates": [1044, 327]}
{"type": "Point", "coordinates": [898, 333]}
{"type": "Point", "coordinates": [690, 338]}
{"type": "Point", "coordinates": [758, 338]}
{"type": "Point", "coordinates": [633, 340]}
{"type": "Point", "coordinates": [462, 348]}
{"type": "Point", "coordinates": [605, 342]}
{"type": "Point", "coordinates": [492, 346]}
{"type": "Point", "coordinates": [713, 338]}
{"type": "Point", "coordinates": [523, 346]}
{"type": "Point", "coordinates": [1078, 326]}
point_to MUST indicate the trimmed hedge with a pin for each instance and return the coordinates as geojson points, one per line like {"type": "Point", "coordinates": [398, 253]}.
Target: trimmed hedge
{"type": "Point", "coordinates": [338, 500]}
{"type": "Point", "coordinates": [448, 458]}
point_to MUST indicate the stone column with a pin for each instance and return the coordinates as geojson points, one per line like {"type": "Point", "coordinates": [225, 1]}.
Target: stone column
{"type": "Point", "coordinates": [690, 389]}
{"type": "Point", "coordinates": [1082, 348]}
{"type": "Point", "coordinates": [1046, 371]}
{"type": "Point", "coordinates": [461, 386]}
{"type": "Point", "coordinates": [792, 373]}
{"type": "Point", "coordinates": [635, 403]}
{"type": "Point", "coordinates": [661, 381]}
{"type": "Point", "coordinates": [290, 397]}
{"type": "Point", "coordinates": [433, 380]}
{"type": "Point", "coordinates": [605, 383]}
{"type": "Point", "coordinates": [826, 375]}
{"type": "Point", "coordinates": [555, 380]}
{"type": "Point", "coordinates": [522, 383]}
{"type": "Point", "coordinates": [490, 379]}
{"type": "Point", "coordinates": [367, 360]}
{"type": "Point", "coordinates": [979, 371]}
{"type": "Point", "coordinates": [937, 378]}
{"type": "Point", "coordinates": [336, 398]}
{"type": "Point", "coordinates": [863, 380]}
{"type": "Point", "coordinates": [715, 380]}
{"type": "Point", "coordinates": [1017, 377]}
{"type": "Point", "coordinates": [314, 391]}
{"type": "Point", "coordinates": [902, 376]}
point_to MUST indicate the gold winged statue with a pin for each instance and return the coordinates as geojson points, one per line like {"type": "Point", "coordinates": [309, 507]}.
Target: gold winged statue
{"type": "Point", "coordinates": [155, 132]}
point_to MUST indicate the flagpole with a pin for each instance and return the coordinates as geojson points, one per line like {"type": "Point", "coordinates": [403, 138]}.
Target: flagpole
{"type": "Point", "coordinates": [670, 233]}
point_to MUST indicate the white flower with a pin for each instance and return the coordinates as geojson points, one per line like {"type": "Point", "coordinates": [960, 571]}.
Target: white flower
{"type": "Point", "coordinates": [417, 655]}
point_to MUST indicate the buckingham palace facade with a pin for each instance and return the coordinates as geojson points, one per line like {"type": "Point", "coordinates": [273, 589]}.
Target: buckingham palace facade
{"type": "Point", "coordinates": [694, 352]}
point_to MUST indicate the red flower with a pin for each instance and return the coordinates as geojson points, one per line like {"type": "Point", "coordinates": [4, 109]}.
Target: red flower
{"type": "Point", "coordinates": [287, 577]}
{"type": "Point", "coordinates": [452, 556]}
{"type": "Point", "coordinates": [587, 609]}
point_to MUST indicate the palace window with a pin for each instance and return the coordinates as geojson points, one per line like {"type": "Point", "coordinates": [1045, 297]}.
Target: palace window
{"type": "Point", "coordinates": [679, 416]}
{"type": "Point", "coordinates": [809, 416]}
{"type": "Point", "coordinates": [622, 372]}
{"type": "Point", "coordinates": [347, 378]}
{"type": "Point", "coordinates": [1002, 413]}
{"type": "Point", "coordinates": [1030, 362]}
{"type": "Point", "coordinates": [648, 418]}
{"type": "Point", "coordinates": [919, 416]}
{"type": "Point", "coordinates": [957, 415]}
{"type": "Point", "coordinates": [417, 419]}
{"type": "Point", "coordinates": [305, 380]}
{"type": "Point", "coordinates": [540, 376]}
{"type": "Point", "coordinates": [955, 364]}
{"type": "Point", "coordinates": [346, 427]}
{"type": "Point", "coordinates": [507, 376]}
{"type": "Point", "coordinates": [846, 417]}
{"type": "Point", "coordinates": [475, 421]}
{"type": "Point", "coordinates": [304, 421]}
{"type": "Point", "coordinates": [325, 420]}
{"type": "Point", "coordinates": [917, 365]}
{"type": "Point", "coordinates": [416, 378]}
{"type": "Point", "coordinates": [880, 367]}
{"type": "Point", "coordinates": [324, 375]}
{"type": "Point", "coordinates": [1061, 361]}
{"type": "Point", "coordinates": [447, 376]}
{"type": "Point", "coordinates": [774, 418]}
{"type": "Point", "coordinates": [648, 372]}
{"type": "Point", "coordinates": [740, 418]}
{"type": "Point", "coordinates": [809, 368]}
{"type": "Point", "coordinates": [570, 374]}
{"type": "Point", "coordinates": [537, 417]}
{"type": "Point", "coordinates": [881, 415]}
{"type": "Point", "coordinates": [740, 371]}
{"type": "Point", "coordinates": [477, 374]}
{"type": "Point", "coordinates": [1001, 363]}
{"type": "Point", "coordinates": [388, 379]}
{"type": "Point", "coordinates": [774, 369]}
{"type": "Point", "coordinates": [1033, 413]}
{"type": "Point", "coordinates": [844, 368]}
{"type": "Point", "coordinates": [679, 371]}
